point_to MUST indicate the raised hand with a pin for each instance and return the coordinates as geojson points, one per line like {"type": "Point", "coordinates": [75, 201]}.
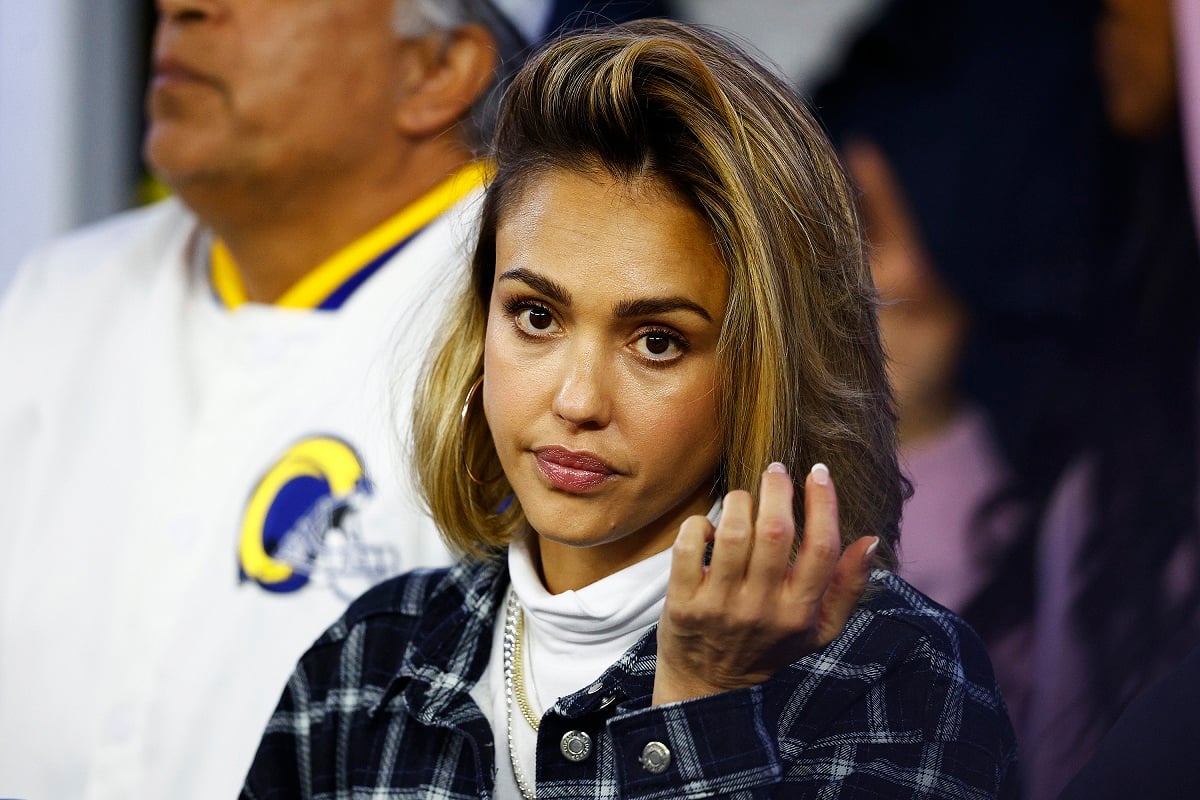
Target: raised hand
{"type": "Point", "coordinates": [737, 621]}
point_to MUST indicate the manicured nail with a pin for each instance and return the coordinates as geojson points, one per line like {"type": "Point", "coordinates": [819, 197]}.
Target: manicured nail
{"type": "Point", "coordinates": [820, 474]}
{"type": "Point", "coordinates": [871, 548]}
{"type": "Point", "coordinates": [776, 466]}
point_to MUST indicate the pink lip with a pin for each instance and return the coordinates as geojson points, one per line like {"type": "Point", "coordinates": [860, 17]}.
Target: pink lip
{"type": "Point", "coordinates": [571, 471]}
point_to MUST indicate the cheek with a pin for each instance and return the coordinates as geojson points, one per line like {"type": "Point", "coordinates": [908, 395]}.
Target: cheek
{"type": "Point", "coordinates": [308, 65]}
{"type": "Point", "coordinates": [679, 426]}
{"type": "Point", "coordinates": [510, 384]}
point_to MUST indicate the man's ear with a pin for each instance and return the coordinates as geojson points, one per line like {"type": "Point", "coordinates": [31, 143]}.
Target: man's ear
{"type": "Point", "coordinates": [456, 68]}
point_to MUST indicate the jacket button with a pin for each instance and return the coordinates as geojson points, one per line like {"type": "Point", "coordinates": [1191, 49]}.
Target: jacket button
{"type": "Point", "coordinates": [656, 757]}
{"type": "Point", "coordinates": [576, 745]}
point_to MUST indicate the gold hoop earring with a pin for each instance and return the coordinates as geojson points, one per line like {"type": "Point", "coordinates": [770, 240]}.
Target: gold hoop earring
{"type": "Point", "coordinates": [462, 438]}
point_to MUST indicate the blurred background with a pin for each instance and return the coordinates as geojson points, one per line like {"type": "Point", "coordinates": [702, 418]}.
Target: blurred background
{"type": "Point", "coordinates": [72, 73]}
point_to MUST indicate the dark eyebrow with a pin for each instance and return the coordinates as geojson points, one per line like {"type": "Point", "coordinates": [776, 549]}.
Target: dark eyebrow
{"type": "Point", "coordinates": [626, 309]}
{"type": "Point", "coordinates": [651, 306]}
{"type": "Point", "coordinates": [539, 284]}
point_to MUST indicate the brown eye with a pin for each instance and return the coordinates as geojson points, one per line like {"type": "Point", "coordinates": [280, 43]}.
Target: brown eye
{"type": "Point", "coordinates": [661, 346]}
{"type": "Point", "coordinates": [657, 343]}
{"type": "Point", "coordinates": [535, 320]}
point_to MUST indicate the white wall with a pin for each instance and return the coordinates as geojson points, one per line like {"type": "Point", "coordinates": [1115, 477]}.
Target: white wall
{"type": "Point", "coordinates": [68, 111]}
{"type": "Point", "coordinates": [800, 36]}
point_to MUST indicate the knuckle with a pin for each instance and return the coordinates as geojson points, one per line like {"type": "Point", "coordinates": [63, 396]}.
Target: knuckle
{"type": "Point", "coordinates": [823, 548]}
{"type": "Point", "coordinates": [804, 610]}
{"type": "Point", "coordinates": [686, 615]}
{"type": "Point", "coordinates": [800, 624]}
{"type": "Point", "coordinates": [733, 533]}
{"type": "Point", "coordinates": [776, 530]}
{"type": "Point", "coordinates": [745, 617]}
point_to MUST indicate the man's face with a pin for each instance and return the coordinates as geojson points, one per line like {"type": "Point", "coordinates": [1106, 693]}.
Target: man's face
{"type": "Point", "coordinates": [257, 91]}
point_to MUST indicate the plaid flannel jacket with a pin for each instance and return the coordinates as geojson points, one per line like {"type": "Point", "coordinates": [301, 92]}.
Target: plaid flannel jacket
{"type": "Point", "coordinates": [902, 704]}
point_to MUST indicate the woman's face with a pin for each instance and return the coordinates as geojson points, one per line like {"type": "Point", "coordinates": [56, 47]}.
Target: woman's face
{"type": "Point", "coordinates": [600, 369]}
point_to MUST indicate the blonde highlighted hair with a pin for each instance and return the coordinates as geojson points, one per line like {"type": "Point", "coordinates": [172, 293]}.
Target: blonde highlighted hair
{"type": "Point", "coordinates": [802, 376]}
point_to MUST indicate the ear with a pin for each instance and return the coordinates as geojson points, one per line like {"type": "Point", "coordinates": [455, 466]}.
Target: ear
{"type": "Point", "coordinates": [456, 67]}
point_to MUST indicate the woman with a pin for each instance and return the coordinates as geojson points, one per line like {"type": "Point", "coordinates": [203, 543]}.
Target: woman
{"type": "Point", "coordinates": [669, 292]}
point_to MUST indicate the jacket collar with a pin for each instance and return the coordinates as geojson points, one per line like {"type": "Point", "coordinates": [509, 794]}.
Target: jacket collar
{"type": "Point", "coordinates": [452, 643]}
{"type": "Point", "coordinates": [450, 646]}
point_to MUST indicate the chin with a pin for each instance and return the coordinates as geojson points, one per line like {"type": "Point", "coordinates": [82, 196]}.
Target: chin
{"type": "Point", "coordinates": [166, 153]}
{"type": "Point", "coordinates": [569, 529]}
{"type": "Point", "coordinates": [181, 152]}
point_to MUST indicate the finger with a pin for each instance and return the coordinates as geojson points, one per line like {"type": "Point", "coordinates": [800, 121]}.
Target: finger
{"type": "Point", "coordinates": [731, 542]}
{"type": "Point", "coordinates": [774, 530]}
{"type": "Point", "coordinates": [821, 545]}
{"type": "Point", "coordinates": [687, 557]}
{"type": "Point", "coordinates": [850, 579]}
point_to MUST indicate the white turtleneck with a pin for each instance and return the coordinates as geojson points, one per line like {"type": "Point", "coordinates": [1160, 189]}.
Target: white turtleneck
{"type": "Point", "coordinates": [569, 640]}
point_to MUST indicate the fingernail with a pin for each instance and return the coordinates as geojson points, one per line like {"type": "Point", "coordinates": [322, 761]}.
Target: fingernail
{"type": "Point", "coordinates": [871, 548]}
{"type": "Point", "coordinates": [776, 466]}
{"type": "Point", "coordinates": [820, 474]}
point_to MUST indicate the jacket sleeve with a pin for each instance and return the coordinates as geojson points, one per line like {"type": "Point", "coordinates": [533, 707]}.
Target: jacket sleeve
{"type": "Point", "coordinates": [932, 725]}
{"type": "Point", "coordinates": [917, 727]}
{"type": "Point", "coordinates": [716, 746]}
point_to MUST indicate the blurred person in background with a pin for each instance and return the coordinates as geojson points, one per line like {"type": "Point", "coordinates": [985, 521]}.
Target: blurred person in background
{"type": "Point", "coordinates": [947, 444]}
{"type": "Point", "coordinates": [1115, 562]}
{"type": "Point", "coordinates": [1095, 592]}
{"type": "Point", "coordinates": [976, 136]}
{"type": "Point", "coordinates": [196, 466]}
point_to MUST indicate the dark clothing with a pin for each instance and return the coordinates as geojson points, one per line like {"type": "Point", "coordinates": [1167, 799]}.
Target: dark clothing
{"type": "Point", "coordinates": [902, 704]}
{"type": "Point", "coordinates": [1149, 752]}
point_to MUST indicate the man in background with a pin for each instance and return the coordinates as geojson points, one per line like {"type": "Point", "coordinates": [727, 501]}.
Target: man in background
{"type": "Point", "coordinates": [205, 402]}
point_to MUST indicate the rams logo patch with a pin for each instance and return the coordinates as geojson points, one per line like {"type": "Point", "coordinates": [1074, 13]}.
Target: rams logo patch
{"type": "Point", "coordinates": [302, 522]}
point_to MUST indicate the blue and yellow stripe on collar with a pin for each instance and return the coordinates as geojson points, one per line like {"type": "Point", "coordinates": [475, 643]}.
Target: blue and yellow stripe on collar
{"type": "Point", "coordinates": [332, 282]}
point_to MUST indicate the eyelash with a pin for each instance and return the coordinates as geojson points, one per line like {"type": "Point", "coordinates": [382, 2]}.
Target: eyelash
{"type": "Point", "coordinates": [674, 338]}
{"type": "Point", "coordinates": [515, 306]}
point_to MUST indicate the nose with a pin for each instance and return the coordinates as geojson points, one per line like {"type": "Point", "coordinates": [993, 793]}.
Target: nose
{"type": "Point", "coordinates": [584, 396]}
{"type": "Point", "coordinates": [187, 10]}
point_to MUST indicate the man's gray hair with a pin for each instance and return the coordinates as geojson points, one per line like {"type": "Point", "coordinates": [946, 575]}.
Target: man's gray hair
{"type": "Point", "coordinates": [513, 44]}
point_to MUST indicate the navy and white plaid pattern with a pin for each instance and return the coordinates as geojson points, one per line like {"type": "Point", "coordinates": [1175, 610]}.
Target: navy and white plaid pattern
{"type": "Point", "coordinates": [902, 704]}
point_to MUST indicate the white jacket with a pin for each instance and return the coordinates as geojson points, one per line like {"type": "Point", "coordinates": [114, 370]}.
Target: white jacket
{"type": "Point", "coordinates": [153, 447]}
